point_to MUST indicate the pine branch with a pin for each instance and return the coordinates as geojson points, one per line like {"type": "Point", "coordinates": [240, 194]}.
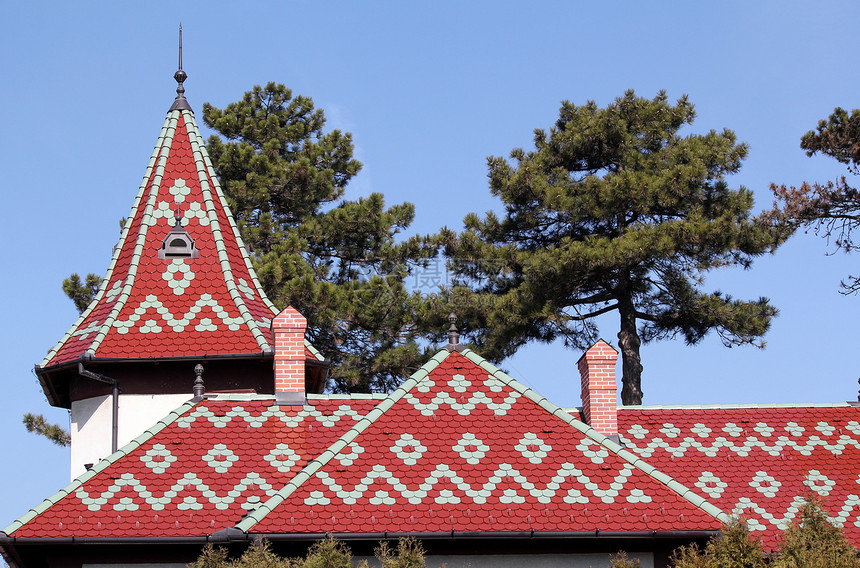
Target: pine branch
{"type": "Point", "coordinates": [36, 423]}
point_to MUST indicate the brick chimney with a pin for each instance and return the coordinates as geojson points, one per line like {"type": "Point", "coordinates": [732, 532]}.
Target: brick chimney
{"type": "Point", "coordinates": [599, 391]}
{"type": "Point", "coordinates": [288, 333]}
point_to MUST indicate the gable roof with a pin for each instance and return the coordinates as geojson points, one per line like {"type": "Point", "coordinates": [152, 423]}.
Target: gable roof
{"type": "Point", "coordinates": [151, 307]}
{"type": "Point", "coordinates": [462, 447]}
{"type": "Point", "coordinates": [199, 470]}
{"type": "Point", "coordinates": [459, 447]}
{"type": "Point", "coordinates": [759, 461]}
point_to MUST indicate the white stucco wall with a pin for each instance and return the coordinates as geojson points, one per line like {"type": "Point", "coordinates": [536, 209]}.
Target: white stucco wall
{"type": "Point", "coordinates": [91, 423]}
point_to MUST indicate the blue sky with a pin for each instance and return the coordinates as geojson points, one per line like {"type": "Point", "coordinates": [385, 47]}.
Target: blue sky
{"type": "Point", "coordinates": [428, 91]}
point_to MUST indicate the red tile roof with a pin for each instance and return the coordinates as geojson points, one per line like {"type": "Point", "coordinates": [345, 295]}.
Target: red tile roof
{"type": "Point", "coordinates": [462, 447]}
{"type": "Point", "coordinates": [200, 472]}
{"type": "Point", "coordinates": [459, 447]}
{"type": "Point", "coordinates": [461, 450]}
{"type": "Point", "coordinates": [759, 462]}
{"type": "Point", "coordinates": [152, 307]}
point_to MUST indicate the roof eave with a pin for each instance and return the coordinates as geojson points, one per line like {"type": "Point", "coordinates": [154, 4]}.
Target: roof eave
{"type": "Point", "coordinates": [48, 375]}
{"type": "Point", "coordinates": [235, 535]}
{"type": "Point", "coordinates": [490, 535]}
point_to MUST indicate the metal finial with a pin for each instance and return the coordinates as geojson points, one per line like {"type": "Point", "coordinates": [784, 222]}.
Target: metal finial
{"type": "Point", "coordinates": [858, 392]}
{"type": "Point", "coordinates": [453, 334]}
{"type": "Point", "coordinates": [180, 103]}
{"type": "Point", "coordinates": [199, 388]}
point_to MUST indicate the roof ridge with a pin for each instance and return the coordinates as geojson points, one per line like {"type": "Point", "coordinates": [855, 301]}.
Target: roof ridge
{"type": "Point", "coordinates": [199, 147]}
{"type": "Point", "coordinates": [738, 406]}
{"type": "Point", "coordinates": [150, 168]}
{"type": "Point", "coordinates": [205, 177]}
{"type": "Point", "coordinates": [308, 345]}
{"type": "Point", "coordinates": [628, 456]}
{"type": "Point", "coordinates": [99, 467]}
{"type": "Point", "coordinates": [236, 233]}
{"type": "Point", "coordinates": [157, 176]}
{"type": "Point", "coordinates": [329, 453]}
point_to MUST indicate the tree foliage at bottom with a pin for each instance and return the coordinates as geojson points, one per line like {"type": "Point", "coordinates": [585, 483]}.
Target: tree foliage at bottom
{"type": "Point", "coordinates": [812, 541]}
{"type": "Point", "coordinates": [327, 553]}
{"type": "Point", "coordinates": [734, 547]}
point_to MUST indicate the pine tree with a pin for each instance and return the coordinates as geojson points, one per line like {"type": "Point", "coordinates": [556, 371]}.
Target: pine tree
{"type": "Point", "coordinates": [82, 293]}
{"type": "Point", "coordinates": [336, 261]}
{"type": "Point", "coordinates": [831, 209]}
{"type": "Point", "coordinates": [614, 210]}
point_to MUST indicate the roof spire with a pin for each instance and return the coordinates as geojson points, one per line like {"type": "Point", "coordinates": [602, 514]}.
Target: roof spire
{"type": "Point", "coordinates": [453, 334]}
{"type": "Point", "coordinates": [180, 103]}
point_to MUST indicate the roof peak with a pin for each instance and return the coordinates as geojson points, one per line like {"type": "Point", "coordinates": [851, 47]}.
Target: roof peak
{"type": "Point", "coordinates": [180, 103]}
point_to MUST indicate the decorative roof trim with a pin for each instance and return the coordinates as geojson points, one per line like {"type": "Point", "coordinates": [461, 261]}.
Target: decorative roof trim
{"type": "Point", "coordinates": [164, 136]}
{"type": "Point", "coordinates": [308, 345]}
{"type": "Point", "coordinates": [326, 456]}
{"type": "Point", "coordinates": [235, 228]}
{"type": "Point", "coordinates": [206, 176]}
{"type": "Point", "coordinates": [316, 464]}
{"type": "Point", "coordinates": [736, 406]}
{"type": "Point", "coordinates": [99, 467]}
{"type": "Point", "coordinates": [246, 397]}
{"type": "Point", "coordinates": [145, 223]}
{"type": "Point", "coordinates": [353, 396]}
{"type": "Point", "coordinates": [238, 397]}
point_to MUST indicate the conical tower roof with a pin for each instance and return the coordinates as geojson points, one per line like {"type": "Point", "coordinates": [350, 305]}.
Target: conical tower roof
{"type": "Point", "coordinates": [180, 283]}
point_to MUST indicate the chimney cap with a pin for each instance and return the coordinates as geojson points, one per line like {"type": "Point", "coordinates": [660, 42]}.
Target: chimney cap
{"type": "Point", "coordinates": [601, 348]}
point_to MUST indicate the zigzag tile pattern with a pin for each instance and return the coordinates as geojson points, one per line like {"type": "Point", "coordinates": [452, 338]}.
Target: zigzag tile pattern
{"type": "Point", "coordinates": [758, 462]}
{"type": "Point", "coordinates": [203, 472]}
{"type": "Point", "coordinates": [463, 451]}
{"type": "Point", "coordinates": [153, 307]}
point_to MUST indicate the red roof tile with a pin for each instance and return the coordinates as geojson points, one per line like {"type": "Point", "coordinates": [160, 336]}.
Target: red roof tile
{"type": "Point", "coordinates": [461, 450]}
{"type": "Point", "coordinates": [459, 447]}
{"type": "Point", "coordinates": [201, 473]}
{"type": "Point", "coordinates": [760, 462]}
{"type": "Point", "coordinates": [151, 307]}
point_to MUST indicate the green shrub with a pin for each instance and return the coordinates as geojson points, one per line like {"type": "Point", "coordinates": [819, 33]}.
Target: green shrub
{"type": "Point", "coordinates": [327, 553]}
{"type": "Point", "coordinates": [621, 560]}
{"type": "Point", "coordinates": [812, 541]}
{"type": "Point", "coordinates": [734, 547]}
